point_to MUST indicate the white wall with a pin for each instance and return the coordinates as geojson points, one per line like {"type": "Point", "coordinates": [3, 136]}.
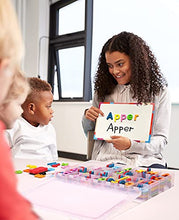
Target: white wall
{"type": "Point", "coordinates": [33, 17]}
{"type": "Point", "coordinates": [172, 150]}
{"type": "Point", "coordinates": [67, 117]}
{"type": "Point", "coordinates": [67, 122]}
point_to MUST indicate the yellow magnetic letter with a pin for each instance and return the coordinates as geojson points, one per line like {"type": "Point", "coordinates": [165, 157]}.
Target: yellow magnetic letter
{"type": "Point", "coordinates": [116, 117]}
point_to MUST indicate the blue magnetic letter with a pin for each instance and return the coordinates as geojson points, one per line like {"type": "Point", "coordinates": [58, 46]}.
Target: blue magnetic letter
{"type": "Point", "coordinates": [109, 116]}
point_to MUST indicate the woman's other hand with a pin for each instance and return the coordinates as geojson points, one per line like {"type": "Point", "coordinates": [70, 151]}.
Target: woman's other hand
{"type": "Point", "coordinates": [120, 142]}
{"type": "Point", "coordinates": [92, 113]}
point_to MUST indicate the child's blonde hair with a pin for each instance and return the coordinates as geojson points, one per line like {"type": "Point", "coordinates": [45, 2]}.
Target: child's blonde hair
{"type": "Point", "coordinates": [11, 45]}
{"type": "Point", "coordinates": [18, 87]}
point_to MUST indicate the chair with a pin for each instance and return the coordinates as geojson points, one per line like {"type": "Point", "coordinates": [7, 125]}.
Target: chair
{"type": "Point", "coordinates": [90, 144]}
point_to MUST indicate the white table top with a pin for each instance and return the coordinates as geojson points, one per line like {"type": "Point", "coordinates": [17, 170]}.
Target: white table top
{"type": "Point", "coordinates": [163, 206]}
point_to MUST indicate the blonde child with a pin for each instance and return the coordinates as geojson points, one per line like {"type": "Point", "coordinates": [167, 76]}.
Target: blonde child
{"type": "Point", "coordinates": [11, 108]}
{"type": "Point", "coordinates": [33, 136]}
{"type": "Point", "coordinates": [12, 204]}
{"type": "Point", "coordinates": [11, 47]}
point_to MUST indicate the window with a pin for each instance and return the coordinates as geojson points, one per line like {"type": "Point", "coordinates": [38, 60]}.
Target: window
{"type": "Point", "coordinates": [70, 50]}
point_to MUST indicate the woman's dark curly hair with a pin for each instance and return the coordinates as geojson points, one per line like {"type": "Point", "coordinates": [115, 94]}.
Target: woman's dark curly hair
{"type": "Point", "coordinates": [146, 79]}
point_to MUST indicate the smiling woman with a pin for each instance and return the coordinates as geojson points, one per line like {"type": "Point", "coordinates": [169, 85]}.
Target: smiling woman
{"type": "Point", "coordinates": [119, 66]}
{"type": "Point", "coordinates": [127, 59]}
{"type": "Point", "coordinates": [129, 73]}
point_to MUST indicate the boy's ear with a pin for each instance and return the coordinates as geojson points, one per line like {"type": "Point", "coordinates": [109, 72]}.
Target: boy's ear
{"type": "Point", "coordinates": [4, 63]}
{"type": "Point", "coordinates": [31, 108]}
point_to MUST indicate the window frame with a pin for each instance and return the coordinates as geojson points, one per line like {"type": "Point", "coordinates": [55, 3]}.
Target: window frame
{"type": "Point", "coordinates": [80, 38]}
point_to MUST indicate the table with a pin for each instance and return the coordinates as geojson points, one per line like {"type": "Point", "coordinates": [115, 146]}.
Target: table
{"type": "Point", "coordinates": [163, 206]}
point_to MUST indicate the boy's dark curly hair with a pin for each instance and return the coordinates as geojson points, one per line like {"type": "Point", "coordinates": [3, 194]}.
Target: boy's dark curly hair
{"type": "Point", "coordinates": [146, 79]}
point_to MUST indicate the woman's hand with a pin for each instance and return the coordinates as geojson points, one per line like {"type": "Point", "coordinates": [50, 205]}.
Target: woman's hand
{"type": "Point", "coordinates": [93, 113]}
{"type": "Point", "coordinates": [120, 142]}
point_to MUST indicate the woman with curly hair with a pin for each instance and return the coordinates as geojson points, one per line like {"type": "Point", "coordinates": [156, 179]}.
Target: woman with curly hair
{"type": "Point", "coordinates": [128, 72]}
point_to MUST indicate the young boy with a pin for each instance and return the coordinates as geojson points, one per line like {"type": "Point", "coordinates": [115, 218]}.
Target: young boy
{"type": "Point", "coordinates": [33, 136]}
{"type": "Point", "coordinates": [12, 204]}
